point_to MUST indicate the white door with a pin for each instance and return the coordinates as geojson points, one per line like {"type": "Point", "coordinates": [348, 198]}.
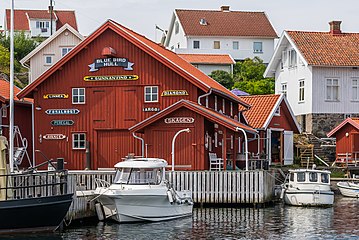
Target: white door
{"type": "Point", "coordinates": [269, 146]}
{"type": "Point", "coordinates": [288, 147]}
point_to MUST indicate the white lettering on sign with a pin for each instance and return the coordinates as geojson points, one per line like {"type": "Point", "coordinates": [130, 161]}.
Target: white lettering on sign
{"type": "Point", "coordinates": [54, 136]}
{"type": "Point", "coordinates": [169, 93]}
{"type": "Point", "coordinates": [151, 109]}
{"type": "Point", "coordinates": [179, 120]}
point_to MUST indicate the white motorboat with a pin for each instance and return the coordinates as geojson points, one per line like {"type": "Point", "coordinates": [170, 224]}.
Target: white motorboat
{"type": "Point", "coordinates": [349, 189]}
{"type": "Point", "coordinates": [140, 192]}
{"type": "Point", "coordinates": [308, 187]}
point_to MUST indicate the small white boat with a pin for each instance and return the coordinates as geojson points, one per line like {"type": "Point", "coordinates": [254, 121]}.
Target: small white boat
{"type": "Point", "coordinates": [140, 192]}
{"type": "Point", "coordinates": [349, 189]}
{"type": "Point", "coordinates": [308, 187]}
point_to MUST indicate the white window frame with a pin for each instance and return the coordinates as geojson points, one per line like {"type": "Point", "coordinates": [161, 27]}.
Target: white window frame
{"type": "Point", "coordinates": [51, 57]}
{"type": "Point", "coordinates": [42, 24]}
{"type": "Point", "coordinates": [235, 45]}
{"type": "Point", "coordinates": [176, 27]}
{"type": "Point", "coordinates": [78, 141]}
{"type": "Point", "coordinates": [257, 50]}
{"type": "Point", "coordinates": [68, 49]}
{"type": "Point", "coordinates": [355, 87]}
{"type": "Point", "coordinates": [284, 89]}
{"type": "Point", "coordinates": [292, 58]}
{"type": "Point", "coordinates": [301, 90]}
{"type": "Point", "coordinates": [277, 111]}
{"type": "Point", "coordinates": [332, 88]}
{"type": "Point", "coordinates": [78, 95]}
{"type": "Point", "coordinates": [215, 103]}
{"type": "Point", "coordinates": [199, 44]}
{"type": "Point", "coordinates": [151, 94]}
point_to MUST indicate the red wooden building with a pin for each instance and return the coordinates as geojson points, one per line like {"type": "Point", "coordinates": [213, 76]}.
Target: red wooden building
{"type": "Point", "coordinates": [116, 80]}
{"type": "Point", "coordinates": [22, 119]}
{"type": "Point", "coordinates": [275, 122]}
{"type": "Point", "coordinates": [347, 141]}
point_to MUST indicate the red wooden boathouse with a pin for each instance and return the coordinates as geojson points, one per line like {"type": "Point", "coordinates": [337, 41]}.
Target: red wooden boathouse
{"type": "Point", "coordinates": [115, 79]}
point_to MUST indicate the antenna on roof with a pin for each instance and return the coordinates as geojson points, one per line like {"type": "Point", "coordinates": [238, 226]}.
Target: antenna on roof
{"type": "Point", "coordinates": [51, 9]}
{"type": "Point", "coordinates": [203, 21]}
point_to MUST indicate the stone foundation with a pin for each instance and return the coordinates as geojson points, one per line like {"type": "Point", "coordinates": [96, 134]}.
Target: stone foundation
{"type": "Point", "coordinates": [322, 123]}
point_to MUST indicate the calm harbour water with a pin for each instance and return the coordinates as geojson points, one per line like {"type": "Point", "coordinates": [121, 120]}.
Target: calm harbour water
{"type": "Point", "coordinates": [275, 222]}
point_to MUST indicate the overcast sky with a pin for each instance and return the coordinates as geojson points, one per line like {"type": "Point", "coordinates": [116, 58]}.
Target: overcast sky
{"type": "Point", "coordinates": [142, 15]}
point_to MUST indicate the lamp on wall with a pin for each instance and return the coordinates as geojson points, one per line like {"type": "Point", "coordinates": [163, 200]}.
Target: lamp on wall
{"type": "Point", "coordinates": [347, 134]}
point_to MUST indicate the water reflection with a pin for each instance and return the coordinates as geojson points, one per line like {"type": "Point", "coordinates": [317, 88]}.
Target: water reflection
{"type": "Point", "coordinates": [276, 222]}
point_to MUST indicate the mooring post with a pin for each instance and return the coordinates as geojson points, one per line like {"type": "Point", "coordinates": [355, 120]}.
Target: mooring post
{"type": "Point", "coordinates": [88, 156]}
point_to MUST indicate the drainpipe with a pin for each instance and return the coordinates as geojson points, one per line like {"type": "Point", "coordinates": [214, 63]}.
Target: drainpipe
{"type": "Point", "coordinates": [33, 133]}
{"type": "Point", "coordinates": [173, 146]}
{"type": "Point", "coordinates": [245, 146]}
{"type": "Point", "coordinates": [204, 95]}
{"type": "Point", "coordinates": [142, 145]}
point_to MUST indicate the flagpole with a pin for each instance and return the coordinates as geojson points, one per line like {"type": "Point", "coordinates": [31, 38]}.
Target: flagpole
{"type": "Point", "coordinates": [11, 118]}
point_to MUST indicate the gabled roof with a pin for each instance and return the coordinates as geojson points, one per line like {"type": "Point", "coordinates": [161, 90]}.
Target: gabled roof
{"type": "Point", "coordinates": [318, 49]}
{"type": "Point", "coordinates": [210, 114]}
{"type": "Point", "coordinates": [213, 59]}
{"type": "Point", "coordinates": [168, 58]}
{"type": "Point", "coordinates": [50, 39]}
{"type": "Point", "coordinates": [352, 121]}
{"type": "Point", "coordinates": [21, 18]}
{"type": "Point", "coordinates": [5, 92]}
{"type": "Point", "coordinates": [263, 108]}
{"type": "Point", "coordinates": [225, 23]}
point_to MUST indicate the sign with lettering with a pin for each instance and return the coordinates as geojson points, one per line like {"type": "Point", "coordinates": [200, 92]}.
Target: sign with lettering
{"type": "Point", "coordinates": [169, 93]}
{"type": "Point", "coordinates": [61, 111]}
{"type": "Point", "coordinates": [56, 96]}
{"type": "Point", "coordinates": [62, 122]}
{"type": "Point", "coordinates": [110, 78]}
{"type": "Point", "coordinates": [151, 109]}
{"type": "Point", "coordinates": [111, 62]}
{"type": "Point", "coordinates": [54, 136]}
{"type": "Point", "coordinates": [179, 120]}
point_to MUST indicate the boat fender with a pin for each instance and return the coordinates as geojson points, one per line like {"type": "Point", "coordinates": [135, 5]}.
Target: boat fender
{"type": "Point", "coordinates": [170, 196]}
{"type": "Point", "coordinates": [282, 194]}
{"type": "Point", "coordinates": [100, 211]}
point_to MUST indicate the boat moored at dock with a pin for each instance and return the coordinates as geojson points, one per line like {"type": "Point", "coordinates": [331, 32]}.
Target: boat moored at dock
{"type": "Point", "coordinates": [349, 189]}
{"type": "Point", "coordinates": [140, 192]}
{"type": "Point", "coordinates": [308, 187]}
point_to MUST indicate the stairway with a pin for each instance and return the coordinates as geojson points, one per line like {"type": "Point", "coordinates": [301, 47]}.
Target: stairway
{"type": "Point", "coordinates": [306, 154]}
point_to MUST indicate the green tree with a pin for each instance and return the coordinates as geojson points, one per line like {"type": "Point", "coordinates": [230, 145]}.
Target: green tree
{"type": "Point", "coordinates": [223, 78]}
{"type": "Point", "coordinates": [4, 60]}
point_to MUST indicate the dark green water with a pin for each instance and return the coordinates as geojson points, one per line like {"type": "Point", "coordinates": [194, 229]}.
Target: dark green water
{"type": "Point", "coordinates": [276, 222]}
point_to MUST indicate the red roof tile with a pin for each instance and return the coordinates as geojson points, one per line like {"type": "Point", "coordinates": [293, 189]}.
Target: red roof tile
{"type": "Point", "coordinates": [326, 49]}
{"type": "Point", "coordinates": [169, 58]}
{"type": "Point", "coordinates": [21, 21]}
{"type": "Point", "coordinates": [226, 23]}
{"type": "Point", "coordinates": [352, 121]}
{"type": "Point", "coordinates": [5, 91]}
{"type": "Point", "coordinates": [208, 58]}
{"type": "Point", "coordinates": [261, 109]}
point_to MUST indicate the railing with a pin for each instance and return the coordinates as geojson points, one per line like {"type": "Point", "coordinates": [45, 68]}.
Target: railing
{"type": "Point", "coordinates": [347, 159]}
{"type": "Point", "coordinates": [33, 184]}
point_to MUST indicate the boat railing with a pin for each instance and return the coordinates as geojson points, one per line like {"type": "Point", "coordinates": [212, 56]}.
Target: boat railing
{"type": "Point", "coordinates": [101, 183]}
{"type": "Point", "coordinates": [33, 184]}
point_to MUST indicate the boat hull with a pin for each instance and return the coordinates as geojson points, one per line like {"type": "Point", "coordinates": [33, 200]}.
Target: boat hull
{"type": "Point", "coordinates": [308, 198]}
{"type": "Point", "coordinates": [135, 208]}
{"type": "Point", "coordinates": [348, 189]}
{"type": "Point", "coordinates": [34, 214]}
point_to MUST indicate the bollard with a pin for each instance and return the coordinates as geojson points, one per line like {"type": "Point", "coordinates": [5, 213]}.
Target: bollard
{"type": "Point", "coordinates": [60, 164]}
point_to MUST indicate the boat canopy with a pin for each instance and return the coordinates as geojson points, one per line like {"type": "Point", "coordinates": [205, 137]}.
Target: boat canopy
{"type": "Point", "coordinates": [308, 170]}
{"type": "Point", "coordinates": [142, 163]}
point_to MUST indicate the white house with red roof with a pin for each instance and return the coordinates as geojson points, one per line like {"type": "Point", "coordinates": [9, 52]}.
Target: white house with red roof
{"type": "Point", "coordinates": [51, 50]}
{"type": "Point", "coordinates": [238, 33]}
{"type": "Point", "coordinates": [318, 72]}
{"type": "Point", "coordinates": [38, 22]}
{"type": "Point", "coordinates": [208, 63]}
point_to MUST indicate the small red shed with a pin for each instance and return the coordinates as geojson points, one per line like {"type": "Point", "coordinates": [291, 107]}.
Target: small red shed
{"type": "Point", "coordinates": [347, 141]}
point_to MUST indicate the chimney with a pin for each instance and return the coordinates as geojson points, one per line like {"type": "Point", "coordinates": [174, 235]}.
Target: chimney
{"type": "Point", "coordinates": [225, 8]}
{"type": "Point", "coordinates": [335, 27]}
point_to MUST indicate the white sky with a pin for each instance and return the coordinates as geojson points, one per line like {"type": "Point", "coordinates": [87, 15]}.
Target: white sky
{"type": "Point", "coordinates": [142, 15]}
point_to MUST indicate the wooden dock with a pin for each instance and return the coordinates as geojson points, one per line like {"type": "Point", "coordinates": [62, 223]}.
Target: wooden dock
{"type": "Point", "coordinates": [208, 187]}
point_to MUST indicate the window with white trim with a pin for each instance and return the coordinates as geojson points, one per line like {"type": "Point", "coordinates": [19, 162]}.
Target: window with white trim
{"type": "Point", "coordinates": [215, 103]}
{"type": "Point", "coordinates": [65, 50]}
{"type": "Point", "coordinates": [48, 59]}
{"type": "Point", "coordinates": [277, 112]}
{"type": "Point", "coordinates": [42, 24]}
{"type": "Point", "coordinates": [4, 111]}
{"type": "Point", "coordinates": [284, 59]}
{"type": "Point", "coordinates": [176, 27]}
{"type": "Point", "coordinates": [78, 96]}
{"type": "Point", "coordinates": [196, 45]}
{"type": "Point", "coordinates": [301, 90]}
{"type": "Point", "coordinates": [292, 57]}
{"type": "Point", "coordinates": [257, 47]}
{"type": "Point", "coordinates": [79, 141]}
{"type": "Point", "coordinates": [151, 94]}
{"type": "Point", "coordinates": [284, 89]}
{"type": "Point", "coordinates": [332, 89]}
{"type": "Point", "coordinates": [235, 45]}
{"type": "Point", "coordinates": [216, 45]}
{"type": "Point", "coordinates": [355, 89]}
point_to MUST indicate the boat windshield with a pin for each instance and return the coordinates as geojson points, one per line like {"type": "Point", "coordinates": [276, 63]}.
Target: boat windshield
{"type": "Point", "coordinates": [325, 178]}
{"type": "Point", "coordinates": [139, 176]}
